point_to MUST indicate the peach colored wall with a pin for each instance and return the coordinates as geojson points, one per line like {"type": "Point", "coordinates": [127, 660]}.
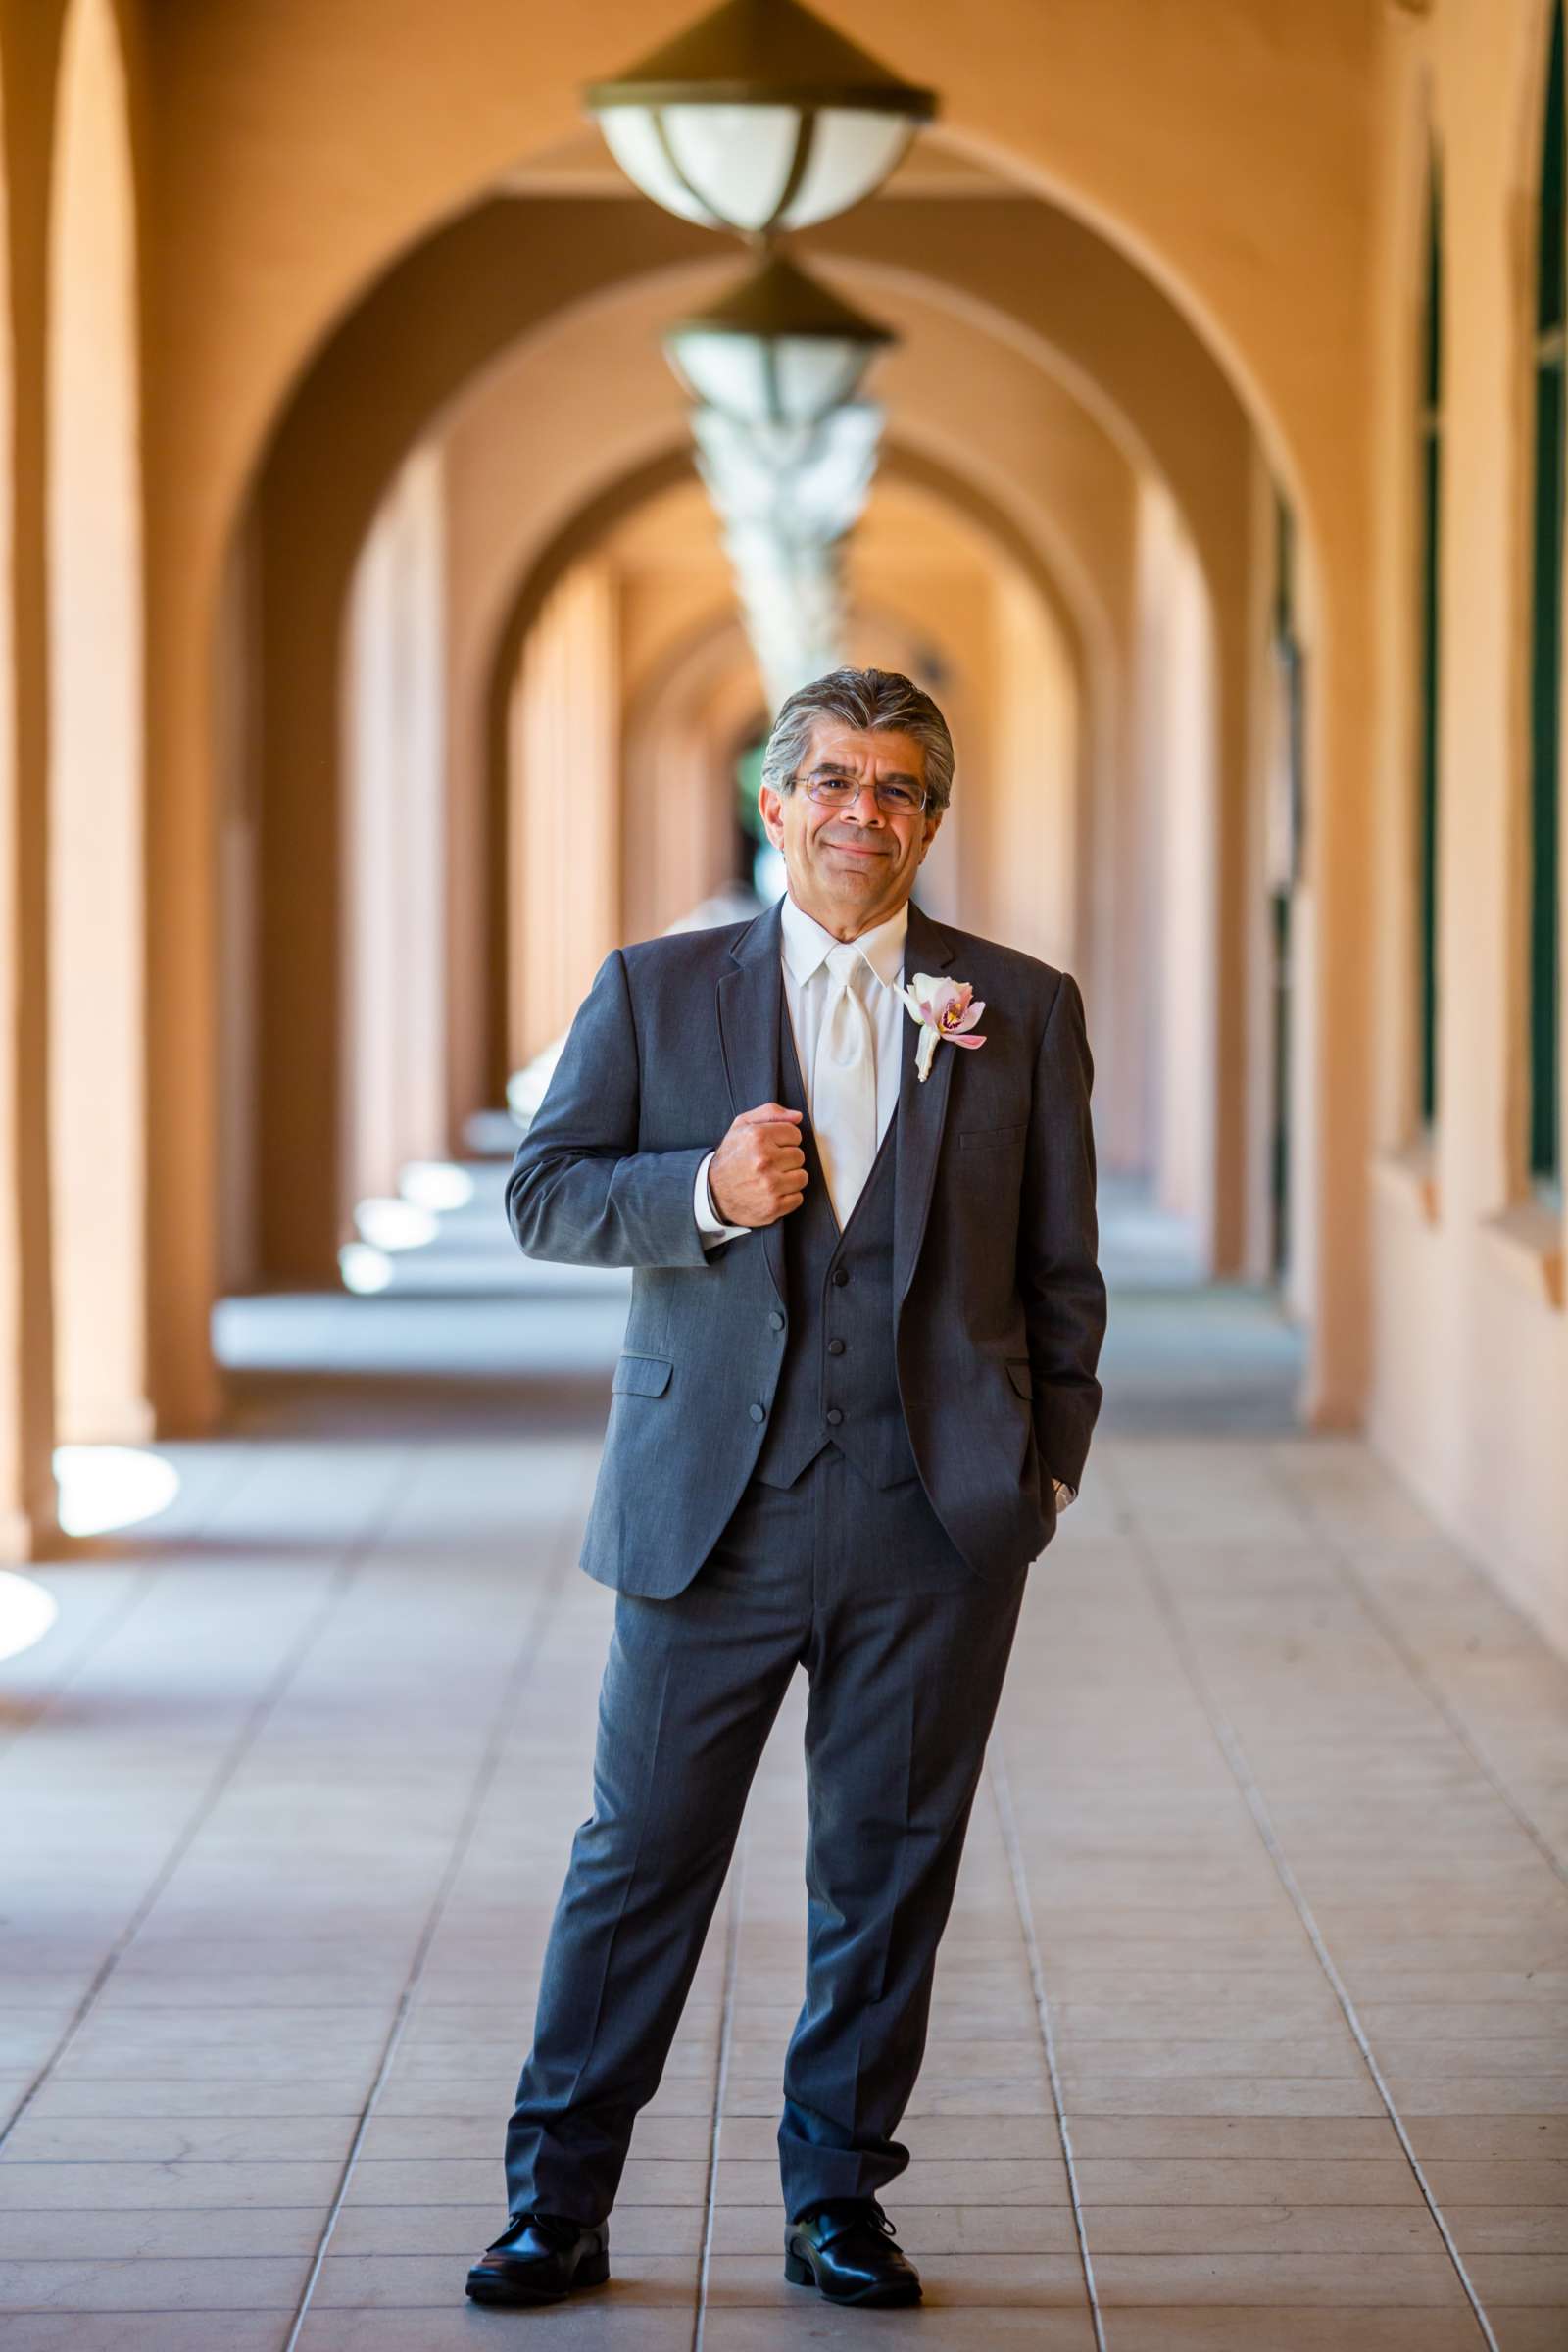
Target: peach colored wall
{"type": "Point", "coordinates": [1469, 1390]}
{"type": "Point", "coordinates": [685, 667]}
{"type": "Point", "coordinates": [563, 870]}
{"type": "Point", "coordinates": [663, 607]}
{"type": "Point", "coordinates": [1032, 803]}
{"type": "Point", "coordinates": [394, 1096]}
{"type": "Point", "coordinates": [678, 735]}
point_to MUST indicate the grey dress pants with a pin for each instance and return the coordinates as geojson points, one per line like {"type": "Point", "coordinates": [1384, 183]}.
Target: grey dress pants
{"type": "Point", "coordinates": [906, 1649]}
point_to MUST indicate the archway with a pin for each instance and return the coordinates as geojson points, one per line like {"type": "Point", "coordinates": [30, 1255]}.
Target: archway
{"type": "Point", "coordinates": [626, 238]}
{"type": "Point", "coordinates": [1275, 121]}
{"type": "Point", "coordinates": [478, 286]}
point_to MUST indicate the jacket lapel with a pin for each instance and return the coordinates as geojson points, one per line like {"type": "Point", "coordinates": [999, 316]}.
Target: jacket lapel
{"type": "Point", "coordinates": [922, 1111]}
{"type": "Point", "coordinates": [751, 1003]}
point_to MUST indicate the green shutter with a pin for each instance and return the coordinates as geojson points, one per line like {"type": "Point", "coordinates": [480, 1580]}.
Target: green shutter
{"type": "Point", "coordinates": [1430, 477]}
{"type": "Point", "coordinates": [1546, 647]}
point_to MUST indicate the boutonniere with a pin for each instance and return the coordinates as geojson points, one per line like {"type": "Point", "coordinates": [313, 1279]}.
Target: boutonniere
{"type": "Point", "coordinates": [944, 1008]}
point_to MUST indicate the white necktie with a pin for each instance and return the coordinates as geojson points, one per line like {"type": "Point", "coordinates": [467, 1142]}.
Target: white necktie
{"type": "Point", "coordinates": [844, 1084]}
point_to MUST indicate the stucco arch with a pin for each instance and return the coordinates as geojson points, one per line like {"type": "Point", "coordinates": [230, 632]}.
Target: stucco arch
{"type": "Point", "coordinates": [492, 283]}
{"type": "Point", "coordinates": [1183, 425]}
{"type": "Point", "coordinates": [1280, 113]}
{"type": "Point", "coordinates": [308, 527]}
{"type": "Point", "coordinates": [1106, 127]}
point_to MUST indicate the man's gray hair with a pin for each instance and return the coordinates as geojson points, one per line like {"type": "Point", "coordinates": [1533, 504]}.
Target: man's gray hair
{"type": "Point", "coordinates": [865, 698]}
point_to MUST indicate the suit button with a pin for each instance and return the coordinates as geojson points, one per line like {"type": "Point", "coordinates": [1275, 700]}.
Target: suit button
{"type": "Point", "coordinates": [835, 1346]}
{"type": "Point", "coordinates": [841, 1275]}
{"type": "Point", "coordinates": [775, 1321]}
{"type": "Point", "coordinates": [758, 1412]}
{"type": "Point", "coordinates": [834, 1415]}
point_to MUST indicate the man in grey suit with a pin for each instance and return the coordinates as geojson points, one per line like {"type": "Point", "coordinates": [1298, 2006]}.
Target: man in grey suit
{"type": "Point", "coordinates": [856, 1385]}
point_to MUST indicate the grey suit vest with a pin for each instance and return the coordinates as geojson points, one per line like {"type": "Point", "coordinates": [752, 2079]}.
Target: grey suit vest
{"type": "Point", "coordinates": [838, 1383]}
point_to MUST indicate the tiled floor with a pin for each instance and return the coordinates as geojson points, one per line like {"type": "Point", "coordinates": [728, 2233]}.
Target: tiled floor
{"type": "Point", "coordinates": [1248, 2029]}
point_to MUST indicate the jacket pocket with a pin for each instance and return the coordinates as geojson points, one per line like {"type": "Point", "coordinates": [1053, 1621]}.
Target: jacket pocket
{"type": "Point", "coordinates": [973, 1139]}
{"type": "Point", "coordinates": [1022, 1376]}
{"type": "Point", "coordinates": [641, 1376]}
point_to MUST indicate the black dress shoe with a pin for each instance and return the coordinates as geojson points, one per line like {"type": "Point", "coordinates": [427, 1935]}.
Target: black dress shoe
{"type": "Point", "coordinates": [848, 2252]}
{"type": "Point", "coordinates": [541, 2258]}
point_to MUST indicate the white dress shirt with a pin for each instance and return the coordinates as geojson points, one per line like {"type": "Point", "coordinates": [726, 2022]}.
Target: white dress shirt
{"type": "Point", "coordinates": [804, 947]}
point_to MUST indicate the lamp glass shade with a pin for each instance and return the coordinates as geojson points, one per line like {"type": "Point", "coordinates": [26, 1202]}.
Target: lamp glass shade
{"type": "Point", "coordinates": [768, 380]}
{"type": "Point", "coordinates": [852, 152]}
{"type": "Point", "coordinates": [736, 159]}
{"type": "Point", "coordinates": [631, 133]}
{"type": "Point", "coordinates": [753, 167]}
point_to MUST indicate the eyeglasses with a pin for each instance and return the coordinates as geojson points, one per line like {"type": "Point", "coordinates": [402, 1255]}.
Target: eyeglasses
{"type": "Point", "coordinates": [842, 792]}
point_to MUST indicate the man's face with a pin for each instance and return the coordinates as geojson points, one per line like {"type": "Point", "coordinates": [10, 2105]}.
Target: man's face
{"type": "Point", "coordinates": [852, 866]}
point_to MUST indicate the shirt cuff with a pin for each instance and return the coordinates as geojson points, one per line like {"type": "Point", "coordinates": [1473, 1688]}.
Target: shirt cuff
{"type": "Point", "coordinates": [710, 1224]}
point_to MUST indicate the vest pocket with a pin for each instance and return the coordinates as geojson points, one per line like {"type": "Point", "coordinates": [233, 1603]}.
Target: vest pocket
{"type": "Point", "coordinates": [641, 1376]}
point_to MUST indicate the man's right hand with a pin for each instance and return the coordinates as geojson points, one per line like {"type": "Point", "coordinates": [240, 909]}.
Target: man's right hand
{"type": "Point", "coordinates": [758, 1174]}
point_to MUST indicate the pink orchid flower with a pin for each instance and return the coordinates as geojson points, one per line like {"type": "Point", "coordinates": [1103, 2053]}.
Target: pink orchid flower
{"type": "Point", "coordinates": [945, 1009]}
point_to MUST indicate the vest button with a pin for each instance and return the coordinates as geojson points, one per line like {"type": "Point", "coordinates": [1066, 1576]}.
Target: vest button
{"type": "Point", "coordinates": [841, 1275]}
{"type": "Point", "coordinates": [835, 1346]}
{"type": "Point", "coordinates": [758, 1412]}
{"type": "Point", "coordinates": [834, 1415]}
{"type": "Point", "coordinates": [775, 1321]}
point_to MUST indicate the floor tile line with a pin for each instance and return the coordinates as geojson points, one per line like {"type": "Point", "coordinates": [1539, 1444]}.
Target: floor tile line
{"type": "Point", "coordinates": [250, 1729]}
{"type": "Point", "coordinates": [540, 1619]}
{"type": "Point", "coordinates": [63, 2163]}
{"type": "Point", "coordinates": [1349, 1576]}
{"type": "Point", "coordinates": [1008, 1822]}
{"type": "Point", "coordinates": [732, 1953]}
{"type": "Point", "coordinates": [1230, 1745]}
{"type": "Point", "coordinates": [141, 2310]}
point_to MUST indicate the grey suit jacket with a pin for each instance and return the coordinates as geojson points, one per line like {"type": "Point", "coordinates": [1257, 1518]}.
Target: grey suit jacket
{"type": "Point", "coordinates": [999, 1308]}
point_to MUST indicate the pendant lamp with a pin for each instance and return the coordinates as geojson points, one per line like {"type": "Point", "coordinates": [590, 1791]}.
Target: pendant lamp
{"type": "Point", "coordinates": [758, 118]}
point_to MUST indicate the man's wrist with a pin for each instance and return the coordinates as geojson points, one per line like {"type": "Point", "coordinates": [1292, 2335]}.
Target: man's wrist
{"type": "Point", "coordinates": [709, 1223]}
